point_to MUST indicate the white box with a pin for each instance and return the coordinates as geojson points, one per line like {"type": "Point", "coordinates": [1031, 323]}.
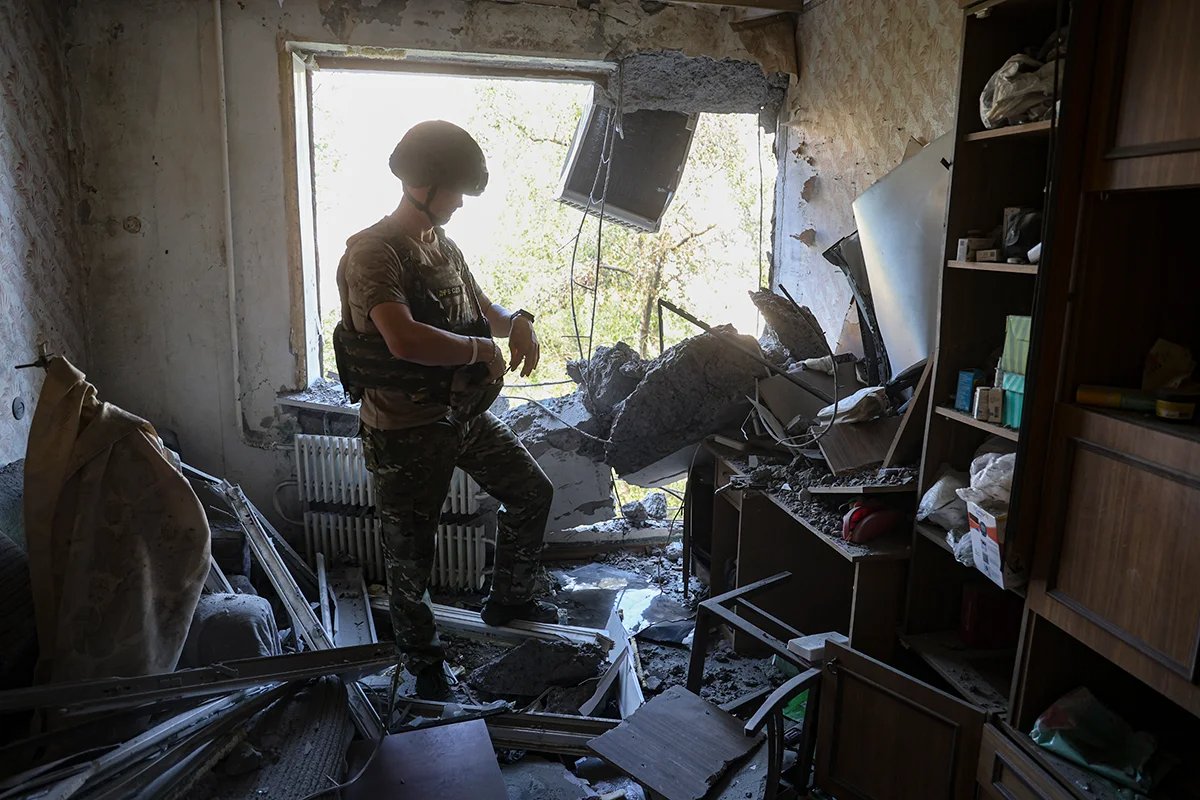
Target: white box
{"type": "Point", "coordinates": [812, 648]}
{"type": "Point", "coordinates": [987, 546]}
{"type": "Point", "coordinates": [968, 246]}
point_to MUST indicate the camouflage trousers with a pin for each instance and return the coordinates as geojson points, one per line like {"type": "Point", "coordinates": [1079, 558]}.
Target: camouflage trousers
{"type": "Point", "coordinates": [412, 469]}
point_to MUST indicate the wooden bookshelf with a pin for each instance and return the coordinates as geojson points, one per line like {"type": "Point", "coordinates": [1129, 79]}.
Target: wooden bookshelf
{"type": "Point", "coordinates": [995, 266]}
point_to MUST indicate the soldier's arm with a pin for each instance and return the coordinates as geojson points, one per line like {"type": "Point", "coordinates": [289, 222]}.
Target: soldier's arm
{"type": "Point", "coordinates": [524, 348]}
{"type": "Point", "coordinates": [419, 343]}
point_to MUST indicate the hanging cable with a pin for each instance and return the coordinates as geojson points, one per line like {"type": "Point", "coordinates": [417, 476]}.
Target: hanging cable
{"type": "Point", "coordinates": [761, 213]}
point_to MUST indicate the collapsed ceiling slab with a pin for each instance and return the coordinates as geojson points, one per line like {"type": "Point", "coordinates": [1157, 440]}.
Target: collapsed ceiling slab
{"type": "Point", "coordinates": [673, 81]}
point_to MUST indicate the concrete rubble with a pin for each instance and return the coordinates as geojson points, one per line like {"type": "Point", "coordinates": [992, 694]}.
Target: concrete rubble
{"type": "Point", "coordinates": [607, 378]}
{"type": "Point", "coordinates": [796, 329]}
{"type": "Point", "coordinates": [534, 666]}
{"type": "Point", "coordinates": [696, 388]}
{"type": "Point", "coordinates": [572, 460]}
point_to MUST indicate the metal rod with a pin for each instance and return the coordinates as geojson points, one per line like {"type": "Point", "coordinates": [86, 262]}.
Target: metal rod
{"type": "Point", "coordinates": [220, 678]}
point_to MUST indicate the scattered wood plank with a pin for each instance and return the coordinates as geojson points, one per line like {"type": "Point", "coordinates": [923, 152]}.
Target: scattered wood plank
{"type": "Point", "coordinates": [906, 446]}
{"type": "Point", "coordinates": [853, 445]}
{"type": "Point", "coordinates": [468, 623]}
{"type": "Point", "coordinates": [454, 760]}
{"type": "Point", "coordinates": [102, 694]}
{"type": "Point", "coordinates": [263, 547]}
{"type": "Point", "coordinates": [676, 744]}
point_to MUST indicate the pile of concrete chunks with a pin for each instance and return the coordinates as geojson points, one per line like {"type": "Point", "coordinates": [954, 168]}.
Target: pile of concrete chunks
{"type": "Point", "coordinates": [641, 418]}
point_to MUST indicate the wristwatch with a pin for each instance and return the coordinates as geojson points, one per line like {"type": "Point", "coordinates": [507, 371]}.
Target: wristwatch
{"type": "Point", "coordinates": [520, 312]}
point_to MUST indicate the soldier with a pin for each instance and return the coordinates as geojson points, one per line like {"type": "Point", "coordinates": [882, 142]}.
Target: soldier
{"type": "Point", "coordinates": [415, 345]}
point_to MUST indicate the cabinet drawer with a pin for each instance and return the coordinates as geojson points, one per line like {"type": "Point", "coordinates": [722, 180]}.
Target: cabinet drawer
{"type": "Point", "coordinates": [1005, 773]}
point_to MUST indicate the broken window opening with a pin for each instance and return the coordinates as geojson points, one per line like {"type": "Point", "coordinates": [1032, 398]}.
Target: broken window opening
{"type": "Point", "coordinates": [518, 240]}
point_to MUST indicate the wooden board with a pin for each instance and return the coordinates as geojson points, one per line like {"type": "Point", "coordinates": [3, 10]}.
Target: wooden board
{"type": "Point", "coordinates": [885, 735]}
{"type": "Point", "coordinates": [677, 744]}
{"type": "Point", "coordinates": [906, 446]}
{"type": "Point", "coordinates": [453, 760]}
{"type": "Point", "coordinates": [980, 676]}
{"type": "Point", "coordinates": [854, 445]}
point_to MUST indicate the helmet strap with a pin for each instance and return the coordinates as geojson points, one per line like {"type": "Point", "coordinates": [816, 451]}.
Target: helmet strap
{"type": "Point", "coordinates": [423, 207]}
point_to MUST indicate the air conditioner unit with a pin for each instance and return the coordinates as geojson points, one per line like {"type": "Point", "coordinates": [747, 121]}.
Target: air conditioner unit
{"type": "Point", "coordinates": [649, 151]}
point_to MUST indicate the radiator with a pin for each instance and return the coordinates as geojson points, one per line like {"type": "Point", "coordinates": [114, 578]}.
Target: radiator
{"type": "Point", "coordinates": [337, 494]}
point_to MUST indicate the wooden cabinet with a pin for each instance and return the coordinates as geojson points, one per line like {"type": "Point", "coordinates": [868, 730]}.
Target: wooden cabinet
{"type": "Point", "coordinates": [1118, 559]}
{"type": "Point", "coordinates": [1148, 122]}
{"type": "Point", "coordinates": [1007, 773]}
{"type": "Point", "coordinates": [884, 735]}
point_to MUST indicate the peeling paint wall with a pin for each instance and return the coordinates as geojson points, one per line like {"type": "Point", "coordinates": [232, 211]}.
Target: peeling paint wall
{"type": "Point", "coordinates": [146, 92]}
{"type": "Point", "coordinates": [41, 273]}
{"type": "Point", "coordinates": [871, 75]}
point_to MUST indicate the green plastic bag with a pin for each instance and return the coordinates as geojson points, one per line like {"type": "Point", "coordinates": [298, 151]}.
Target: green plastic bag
{"type": "Point", "coordinates": [1082, 730]}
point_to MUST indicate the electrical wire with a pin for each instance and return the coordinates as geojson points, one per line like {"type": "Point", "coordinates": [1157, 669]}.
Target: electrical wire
{"type": "Point", "coordinates": [555, 414]}
{"type": "Point", "coordinates": [275, 501]}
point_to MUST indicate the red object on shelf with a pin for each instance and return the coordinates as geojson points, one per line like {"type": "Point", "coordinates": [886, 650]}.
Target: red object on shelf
{"type": "Point", "coordinates": [990, 619]}
{"type": "Point", "coordinates": [869, 519]}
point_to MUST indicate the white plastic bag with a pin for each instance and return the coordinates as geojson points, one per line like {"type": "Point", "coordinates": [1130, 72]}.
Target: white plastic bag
{"type": "Point", "coordinates": [1020, 91]}
{"type": "Point", "coordinates": [991, 480]}
{"type": "Point", "coordinates": [941, 504]}
{"type": "Point", "coordinates": [862, 406]}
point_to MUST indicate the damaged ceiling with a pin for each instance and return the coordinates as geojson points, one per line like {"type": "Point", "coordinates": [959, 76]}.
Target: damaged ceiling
{"type": "Point", "coordinates": [673, 81]}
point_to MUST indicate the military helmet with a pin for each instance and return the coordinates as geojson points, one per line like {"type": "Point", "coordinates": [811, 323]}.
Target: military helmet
{"type": "Point", "coordinates": [439, 153]}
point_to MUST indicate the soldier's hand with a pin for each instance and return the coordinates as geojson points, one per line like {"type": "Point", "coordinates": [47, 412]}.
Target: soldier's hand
{"type": "Point", "coordinates": [496, 364]}
{"type": "Point", "coordinates": [523, 347]}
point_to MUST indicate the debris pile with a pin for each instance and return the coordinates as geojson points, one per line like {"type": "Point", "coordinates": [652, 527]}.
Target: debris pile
{"type": "Point", "coordinates": [534, 666]}
{"type": "Point", "coordinates": [696, 388]}
{"type": "Point", "coordinates": [565, 439]}
{"type": "Point", "coordinates": [795, 327]}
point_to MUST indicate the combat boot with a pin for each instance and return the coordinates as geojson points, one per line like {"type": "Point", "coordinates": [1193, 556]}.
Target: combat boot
{"type": "Point", "coordinates": [494, 613]}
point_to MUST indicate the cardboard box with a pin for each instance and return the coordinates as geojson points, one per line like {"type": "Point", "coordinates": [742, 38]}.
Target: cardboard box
{"type": "Point", "coordinates": [1014, 398]}
{"type": "Point", "coordinates": [1016, 344]}
{"type": "Point", "coordinates": [995, 406]}
{"type": "Point", "coordinates": [987, 546]}
{"type": "Point", "coordinates": [969, 246]}
{"type": "Point", "coordinates": [989, 404]}
{"type": "Point", "coordinates": [968, 380]}
{"type": "Point", "coordinates": [991, 254]}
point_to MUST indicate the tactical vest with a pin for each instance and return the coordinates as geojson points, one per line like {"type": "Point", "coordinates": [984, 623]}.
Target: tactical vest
{"type": "Point", "coordinates": [364, 361]}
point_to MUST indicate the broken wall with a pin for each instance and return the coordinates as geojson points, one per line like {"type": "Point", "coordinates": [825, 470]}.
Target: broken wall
{"type": "Point", "coordinates": [871, 75]}
{"type": "Point", "coordinates": [195, 320]}
{"type": "Point", "coordinates": [41, 273]}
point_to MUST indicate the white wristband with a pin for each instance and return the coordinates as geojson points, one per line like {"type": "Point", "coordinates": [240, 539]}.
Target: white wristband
{"type": "Point", "coordinates": [474, 350]}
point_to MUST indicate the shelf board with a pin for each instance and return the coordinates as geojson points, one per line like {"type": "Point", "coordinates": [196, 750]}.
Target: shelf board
{"type": "Point", "coordinates": [995, 266]}
{"type": "Point", "coordinates": [897, 488]}
{"type": "Point", "coordinates": [934, 534]}
{"type": "Point", "coordinates": [967, 419]}
{"type": "Point", "coordinates": [980, 676]}
{"type": "Point", "coordinates": [1184, 430]}
{"type": "Point", "coordinates": [1010, 132]}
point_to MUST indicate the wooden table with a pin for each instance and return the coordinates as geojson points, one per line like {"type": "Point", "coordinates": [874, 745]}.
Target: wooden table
{"type": "Point", "coordinates": [857, 590]}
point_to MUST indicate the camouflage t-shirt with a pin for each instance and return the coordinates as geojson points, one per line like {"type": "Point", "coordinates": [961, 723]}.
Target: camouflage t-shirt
{"type": "Point", "coordinates": [384, 265]}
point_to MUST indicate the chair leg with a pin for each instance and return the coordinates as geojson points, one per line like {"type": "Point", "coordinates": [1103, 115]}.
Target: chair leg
{"type": "Point", "coordinates": [808, 734]}
{"type": "Point", "coordinates": [695, 676]}
{"type": "Point", "coordinates": [774, 745]}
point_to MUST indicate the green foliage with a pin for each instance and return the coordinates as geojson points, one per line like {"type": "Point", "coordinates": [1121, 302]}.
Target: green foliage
{"type": "Point", "coordinates": [520, 241]}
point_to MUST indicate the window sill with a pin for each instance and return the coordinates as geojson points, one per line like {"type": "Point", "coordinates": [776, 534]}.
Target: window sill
{"type": "Point", "coordinates": [324, 395]}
